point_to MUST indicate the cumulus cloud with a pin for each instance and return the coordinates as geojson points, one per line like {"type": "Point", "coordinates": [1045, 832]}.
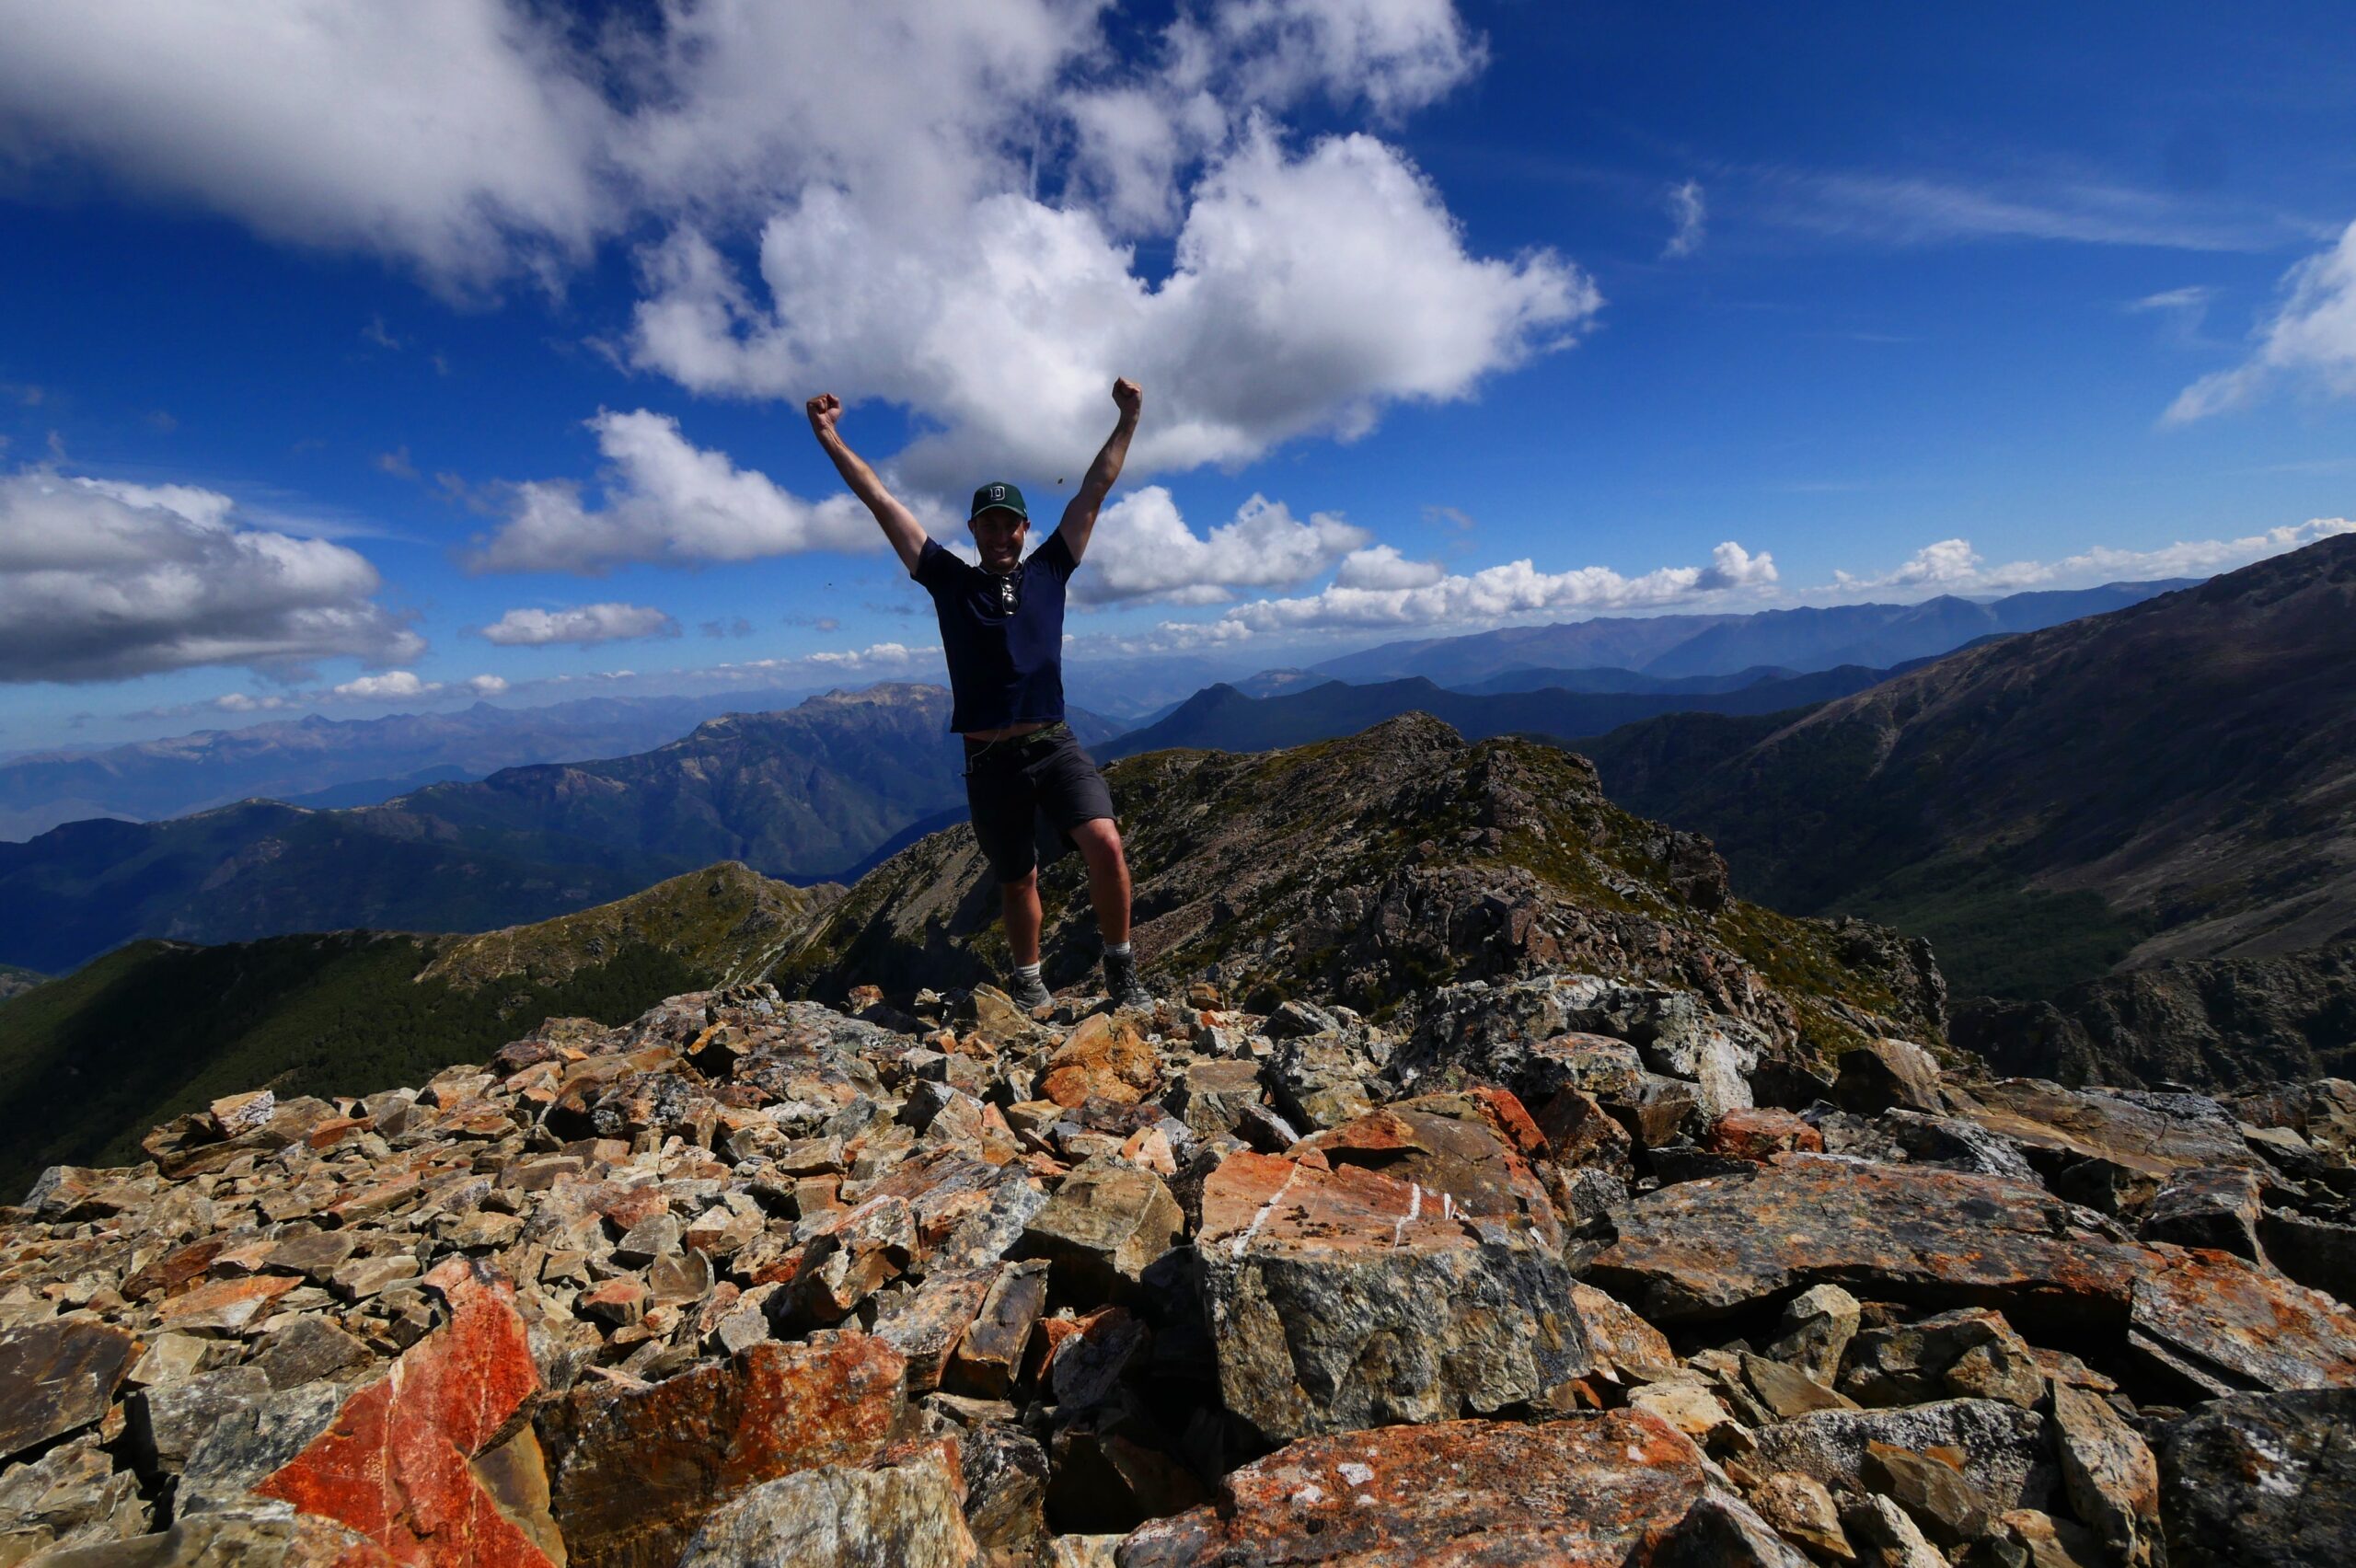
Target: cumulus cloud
{"type": "Point", "coordinates": [581, 625]}
{"type": "Point", "coordinates": [664, 500]}
{"type": "Point", "coordinates": [2311, 336]}
{"type": "Point", "coordinates": [393, 686]}
{"type": "Point", "coordinates": [1309, 290]}
{"type": "Point", "coordinates": [1143, 550]}
{"type": "Point", "coordinates": [1382, 566]}
{"type": "Point", "coordinates": [464, 136]}
{"type": "Point", "coordinates": [486, 686]}
{"type": "Point", "coordinates": [949, 198]}
{"type": "Point", "coordinates": [101, 581]}
{"type": "Point", "coordinates": [1952, 566]}
{"type": "Point", "coordinates": [1690, 214]}
{"type": "Point", "coordinates": [1499, 593]}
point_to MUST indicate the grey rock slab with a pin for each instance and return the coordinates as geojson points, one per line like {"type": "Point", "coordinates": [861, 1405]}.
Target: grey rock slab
{"type": "Point", "coordinates": [1103, 1229]}
{"type": "Point", "coordinates": [2261, 1480]}
{"type": "Point", "coordinates": [2006, 1448]}
{"type": "Point", "coordinates": [250, 1442]}
{"type": "Point", "coordinates": [166, 1423]}
{"type": "Point", "coordinates": [903, 1515]}
{"type": "Point", "coordinates": [2214, 1207]}
{"type": "Point", "coordinates": [1814, 1330]}
{"type": "Point", "coordinates": [57, 1377]}
{"type": "Point", "coordinates": [2108, 1472]}
{"type": "Point", "coordinates": [1344, 1299]}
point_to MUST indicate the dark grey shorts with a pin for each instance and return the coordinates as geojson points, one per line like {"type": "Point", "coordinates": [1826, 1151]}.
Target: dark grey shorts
{"type": "Point", "coordinates": [1027, 794]}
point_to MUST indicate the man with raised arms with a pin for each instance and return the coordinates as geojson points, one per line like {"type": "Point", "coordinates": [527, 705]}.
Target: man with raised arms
{"type": "Point", "coordinates": [1002, 632]}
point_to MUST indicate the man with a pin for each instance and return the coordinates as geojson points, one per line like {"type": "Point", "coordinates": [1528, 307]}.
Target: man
{"type": "Point", "coordinates": [1002, 631]}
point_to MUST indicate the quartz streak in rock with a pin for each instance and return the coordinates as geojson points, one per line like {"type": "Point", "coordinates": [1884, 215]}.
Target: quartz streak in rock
{"type": "Point", "coordinates": [1586, 1492]}
{"type": "Point", "coordinates": [1344, 1299]}
{"type": "Point", "coordinates": [394, 1464]}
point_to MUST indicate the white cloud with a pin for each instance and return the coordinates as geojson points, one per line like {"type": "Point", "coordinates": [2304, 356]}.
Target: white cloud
{"type": "Point", "coordinates": [582, 626]}
{"type": "Point", "coordinates": [248, 702]}
{"type": "Point", "coordinates": [1952, 566]}
{"type": "Point", "coordinates": [1382, 566]}
{"type": "Point", "coordinates": [101, 581]}
{"type": "Point", "coordinates": [2311, 335]}
{"type": "Point", "coordinates": [458, 133]}
{"type": "Point", "coordinates": [1499, 593]}
{"type": "Point", "coordinates": [1689, 213]}
{"type": "Point", "coordinates": [486, 686]}
{"type": "Point", "coordinates": [1142, 550]}
{"type": "Point", "coordinates": [947, 195]}
{"type": "Point", "coordinates": [1308, 291]}
{"type": "Point", "coordinates": [665, 500]}
{"type": "Point", "coordinates": [1930, 210]}
{"type": "Point", "coordinates": [393, 686]}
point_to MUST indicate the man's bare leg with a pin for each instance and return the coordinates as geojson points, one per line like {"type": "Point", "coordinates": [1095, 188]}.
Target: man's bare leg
{"type": "Point", "coordinates": [1099, 842]}
{"type": "Point", "coordinates": [1021, 901]}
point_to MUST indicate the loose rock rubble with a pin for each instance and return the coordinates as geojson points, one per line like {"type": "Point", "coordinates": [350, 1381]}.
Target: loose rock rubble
{"type": "Point", "coordinates": [1557, 1269]}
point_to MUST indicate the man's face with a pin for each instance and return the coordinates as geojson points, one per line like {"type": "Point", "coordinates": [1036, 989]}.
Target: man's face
{"type": "Point", "coordinates": [999, 534]}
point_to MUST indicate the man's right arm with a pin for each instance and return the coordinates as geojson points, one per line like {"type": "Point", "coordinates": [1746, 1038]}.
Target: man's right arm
{"type": "Point", "coordinates": [900, 525]}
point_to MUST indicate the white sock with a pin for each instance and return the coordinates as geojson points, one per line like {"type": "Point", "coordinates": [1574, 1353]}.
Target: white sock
{"type": "Point", "coordinates": [1120, 949]}
{"type": "Point", "coordinates": [1027, 970]}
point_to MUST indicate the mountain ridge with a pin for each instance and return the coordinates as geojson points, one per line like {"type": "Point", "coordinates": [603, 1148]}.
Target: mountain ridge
{"type": "Point", "coordinates": [2179, 767]}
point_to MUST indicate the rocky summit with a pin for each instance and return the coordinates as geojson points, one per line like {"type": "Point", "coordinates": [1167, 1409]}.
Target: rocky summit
{"type": "Point", "coordinates": [1548, 1206]}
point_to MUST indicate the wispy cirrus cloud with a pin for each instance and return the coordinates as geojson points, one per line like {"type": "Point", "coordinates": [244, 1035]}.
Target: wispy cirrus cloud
{"type": "Point", "coordinates": [2309, 338]}
{"type": "Point", "coordinates": [1935, 209]}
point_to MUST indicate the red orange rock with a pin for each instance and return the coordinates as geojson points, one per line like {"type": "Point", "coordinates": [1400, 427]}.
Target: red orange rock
{"type": "Point", "coordinates": [395, 1464]}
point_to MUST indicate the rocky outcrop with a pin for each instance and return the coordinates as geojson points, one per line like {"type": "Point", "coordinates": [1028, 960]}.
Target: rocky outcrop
{"type": "Point", "coordinates": [2218, 1024]}
{"type": "Point", "coordinates": [1535, 1273]}
{"type": "Point", "coordinates": [1369, 870]}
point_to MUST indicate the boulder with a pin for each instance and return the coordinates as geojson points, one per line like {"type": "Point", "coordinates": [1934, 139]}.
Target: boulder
{"type": "Point", "coordinates": [905, 1513]}
{"type": "Point", "coordinates": [396, 1465]}
{"type": "Point", "coordinates": [637, 1469]}
{"type": "Point", "coordinates": [2217, 1208]}
{"type": "Point", "coordinates": [2108, 1472]}
{"type": "Point", "coordinates": [2227, 1326]}
{"type": "Point", "coordinates": [2003, 1449]}
{"type": "Point", "coordinates": [2261, 1480]}
{"type": "Point", "coordinates": [56, 1378]}
{"type": "Point", "coordinates": [1814, 1331]}
{"type": "Point", "coordinates": [1590, 1491]}
{"type": "Point", "coordinates": [1968, 1353]}
{"type": "Point", "coordinates": [1883, 1074]}
{"type": "Point", "coordinates": [1103, 1058]}
{"type": "Point", "coordinates": [1103, 1227]}
{"type": "Point", "coordinates": [1341, 1298]}
{"type": "Point", "coordinates": [1704, 1249]}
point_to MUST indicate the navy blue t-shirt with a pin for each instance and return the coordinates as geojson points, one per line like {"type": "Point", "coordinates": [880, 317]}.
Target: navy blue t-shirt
{"type": "Point", "coordinates": [1002, 633]}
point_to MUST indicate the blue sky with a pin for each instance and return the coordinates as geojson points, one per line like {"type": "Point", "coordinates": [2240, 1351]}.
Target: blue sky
{"type": "Point", "coordinates": [493, 333]}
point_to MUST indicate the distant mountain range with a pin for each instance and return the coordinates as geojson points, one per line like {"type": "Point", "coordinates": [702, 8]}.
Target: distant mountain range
{"type": "Point", "coordinates": [158, 1028]}
{"type": "Point", "coordinates": [803, 794]}
{"type": "Point", "coordinates": [2176, 779]}
{"type": "Point", "coordinates": [1874, 636]}
{"type": "Point", "coordinates": [1224, 718]}
{"type": "Point", "coordinates": [340, 762]}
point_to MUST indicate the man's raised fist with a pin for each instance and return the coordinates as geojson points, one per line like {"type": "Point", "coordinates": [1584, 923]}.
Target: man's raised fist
{"type": "Point", "coordinates": [823, 410]}
{"type": "Point", "coordinates": [1128, 396]}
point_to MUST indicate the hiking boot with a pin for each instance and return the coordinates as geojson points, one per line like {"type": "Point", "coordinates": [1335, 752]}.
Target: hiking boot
{"type": "Point", "coordinates": [1029, 991]}
{"type": "Point", "coordinates": [1121, 981]}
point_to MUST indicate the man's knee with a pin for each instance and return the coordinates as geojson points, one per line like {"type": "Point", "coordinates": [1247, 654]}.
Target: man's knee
{"type": "Point", "coordinates": [1016, 887]}
{"type": "Point", "coordinates": [1098, 835]}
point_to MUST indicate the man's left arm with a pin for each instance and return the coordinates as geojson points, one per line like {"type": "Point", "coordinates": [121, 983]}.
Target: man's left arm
{"type": "Point", "coordinates": [1079, 518]}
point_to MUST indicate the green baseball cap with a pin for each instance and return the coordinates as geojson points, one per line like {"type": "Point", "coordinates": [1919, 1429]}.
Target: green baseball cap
{"type": "Point", "coordinates": [998, 496]}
